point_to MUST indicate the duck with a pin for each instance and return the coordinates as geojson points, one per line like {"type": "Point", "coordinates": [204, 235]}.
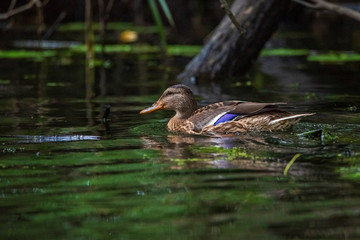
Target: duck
{"type": "Point", "coordinates": [221, 117]}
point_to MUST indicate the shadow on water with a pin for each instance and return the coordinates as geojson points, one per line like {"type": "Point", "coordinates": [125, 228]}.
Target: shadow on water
{"type": "Point", "coordinates": [64, 174]}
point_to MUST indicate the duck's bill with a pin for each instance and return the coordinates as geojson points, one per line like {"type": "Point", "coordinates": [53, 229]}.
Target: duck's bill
{"type": "Point", "coordinates": [151, 109]}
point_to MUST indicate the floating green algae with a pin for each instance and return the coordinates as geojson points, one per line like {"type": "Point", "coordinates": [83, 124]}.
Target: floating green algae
{"type": "Point", "coordinates": [17, 54]}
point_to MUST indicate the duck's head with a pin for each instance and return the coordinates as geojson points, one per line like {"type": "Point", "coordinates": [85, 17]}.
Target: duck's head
{"type": "Point", "coordinates": [178, 98]}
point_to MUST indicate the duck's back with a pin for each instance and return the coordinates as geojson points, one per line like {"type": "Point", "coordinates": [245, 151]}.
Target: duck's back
{"type": "Point", "coordinates": [270, 122]}
{"type": "Point", "coordinates": [236, 116]}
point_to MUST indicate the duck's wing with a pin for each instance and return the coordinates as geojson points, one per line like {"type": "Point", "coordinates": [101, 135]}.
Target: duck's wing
{"type": "Point", "coordinates": [245, 109]}
{"type": "Point", "coordinates": [216, 113]}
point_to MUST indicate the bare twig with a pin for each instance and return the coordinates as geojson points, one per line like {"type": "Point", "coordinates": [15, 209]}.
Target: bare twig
{"type": "Point", "coordinates": [53, 27]}
{"type": "Point", "coordinates": [13, 11]}
{"type": "Point", "coordinates": [40, 19]}
{"type": "Point", "coordinates": [104, 14]}
{"type": "Point", "coordinates": [305, 3]}
{"type": "Point", "coordinates": [89, 56]}
{"type": "Point", "coordinates": [12, 5]}
{"type": "Point", "coordinates": [226, 7]}
{"type": "Point", "coordinates": [324, 5]}
{"type": "Point", "coordinates": [108, 9]}
{"type": "Point", "coordinates": [101, 17]}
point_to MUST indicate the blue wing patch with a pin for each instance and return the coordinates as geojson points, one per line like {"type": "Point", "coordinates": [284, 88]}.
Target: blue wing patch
{"type": "Point", "coordinates": [226, 117]}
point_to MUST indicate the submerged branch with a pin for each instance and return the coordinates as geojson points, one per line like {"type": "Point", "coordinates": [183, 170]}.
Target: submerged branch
{"type": "Point", "coordinates": [226, 7]}
{"type": "Point", "coordinates": [324, 5]}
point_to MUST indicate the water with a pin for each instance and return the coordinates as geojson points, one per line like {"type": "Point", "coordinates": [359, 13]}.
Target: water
{"type": "Point", "coordinates": [64, 174]}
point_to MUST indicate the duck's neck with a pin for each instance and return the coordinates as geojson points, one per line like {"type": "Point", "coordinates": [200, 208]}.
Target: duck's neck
{"type": "Point", "coordinates": [183, 115]}
{"type": "Point", "coordinates": [184, 109]}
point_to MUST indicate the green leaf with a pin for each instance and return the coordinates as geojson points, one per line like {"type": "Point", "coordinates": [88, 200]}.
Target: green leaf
{"type": "Point", "coordinates": [291, 163]}
{"type": "Point", "coordinates": [167, 12]}
{"type": "Point", "coordinates": [158, 21]}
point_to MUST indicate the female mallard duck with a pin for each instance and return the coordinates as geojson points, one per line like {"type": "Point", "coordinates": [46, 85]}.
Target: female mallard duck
{"type": "Point", "coordinates": [222, 117]}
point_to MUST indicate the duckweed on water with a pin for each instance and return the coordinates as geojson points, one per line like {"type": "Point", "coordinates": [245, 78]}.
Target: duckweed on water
{"type": "Point", "coordinates": [230, 153]}
{"type": "Point", "coordinates": [313, 56]}
{"type": "Point", "coordinates": [135, 180]}
{"type": "Point", "coordinates": [35, 55]}
{"type": "Point", "coordinates": [79, 26]}
{"type": "Point", "coordinates": [173, 50]}
{"type": "Point", "coordinates": [155, 128]}
{"type": "Point", "coordinates": [284, 52]}
{"type": "Point", "coordinates": [335, 57]}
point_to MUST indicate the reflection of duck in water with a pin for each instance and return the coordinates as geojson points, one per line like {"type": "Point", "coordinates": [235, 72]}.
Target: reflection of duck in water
{"type": "Point", "coordinates": [222, 117]}
{"type": "Point", "coordinates": [252, 152]}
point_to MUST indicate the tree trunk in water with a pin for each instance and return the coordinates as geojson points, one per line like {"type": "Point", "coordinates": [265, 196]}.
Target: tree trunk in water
{"type": "Point", "coordinates": [227, 53]}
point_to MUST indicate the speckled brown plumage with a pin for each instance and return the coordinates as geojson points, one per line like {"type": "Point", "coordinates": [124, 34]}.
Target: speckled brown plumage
{"type": "Point", "coordinates": [245, 116]}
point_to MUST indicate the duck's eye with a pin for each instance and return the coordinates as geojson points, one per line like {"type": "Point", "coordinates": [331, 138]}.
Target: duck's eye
{"type": "Point", "coordinates": [169, 93]}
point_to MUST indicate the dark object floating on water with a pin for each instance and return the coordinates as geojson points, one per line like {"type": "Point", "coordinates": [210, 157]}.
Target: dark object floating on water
{"type": "Point", "coordinates": [106, 113]}
{"type": "Point", "coordinates": [222, 117]}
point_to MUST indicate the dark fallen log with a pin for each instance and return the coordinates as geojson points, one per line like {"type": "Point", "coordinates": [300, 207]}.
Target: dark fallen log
{"type": "Point", "coordinates": [228, 53]}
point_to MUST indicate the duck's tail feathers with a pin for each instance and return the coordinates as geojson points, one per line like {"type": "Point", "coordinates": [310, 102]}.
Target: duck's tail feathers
{"type": "Point", "coordinates": [292, 117]}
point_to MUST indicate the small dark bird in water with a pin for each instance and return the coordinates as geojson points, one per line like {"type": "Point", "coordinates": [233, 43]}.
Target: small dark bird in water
{"type": "Point", "coordinates": [221, 117]}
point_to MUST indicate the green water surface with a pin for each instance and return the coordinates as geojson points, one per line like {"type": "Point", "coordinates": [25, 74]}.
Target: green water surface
{"type": "Point", "coordinates": [64, 174]}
